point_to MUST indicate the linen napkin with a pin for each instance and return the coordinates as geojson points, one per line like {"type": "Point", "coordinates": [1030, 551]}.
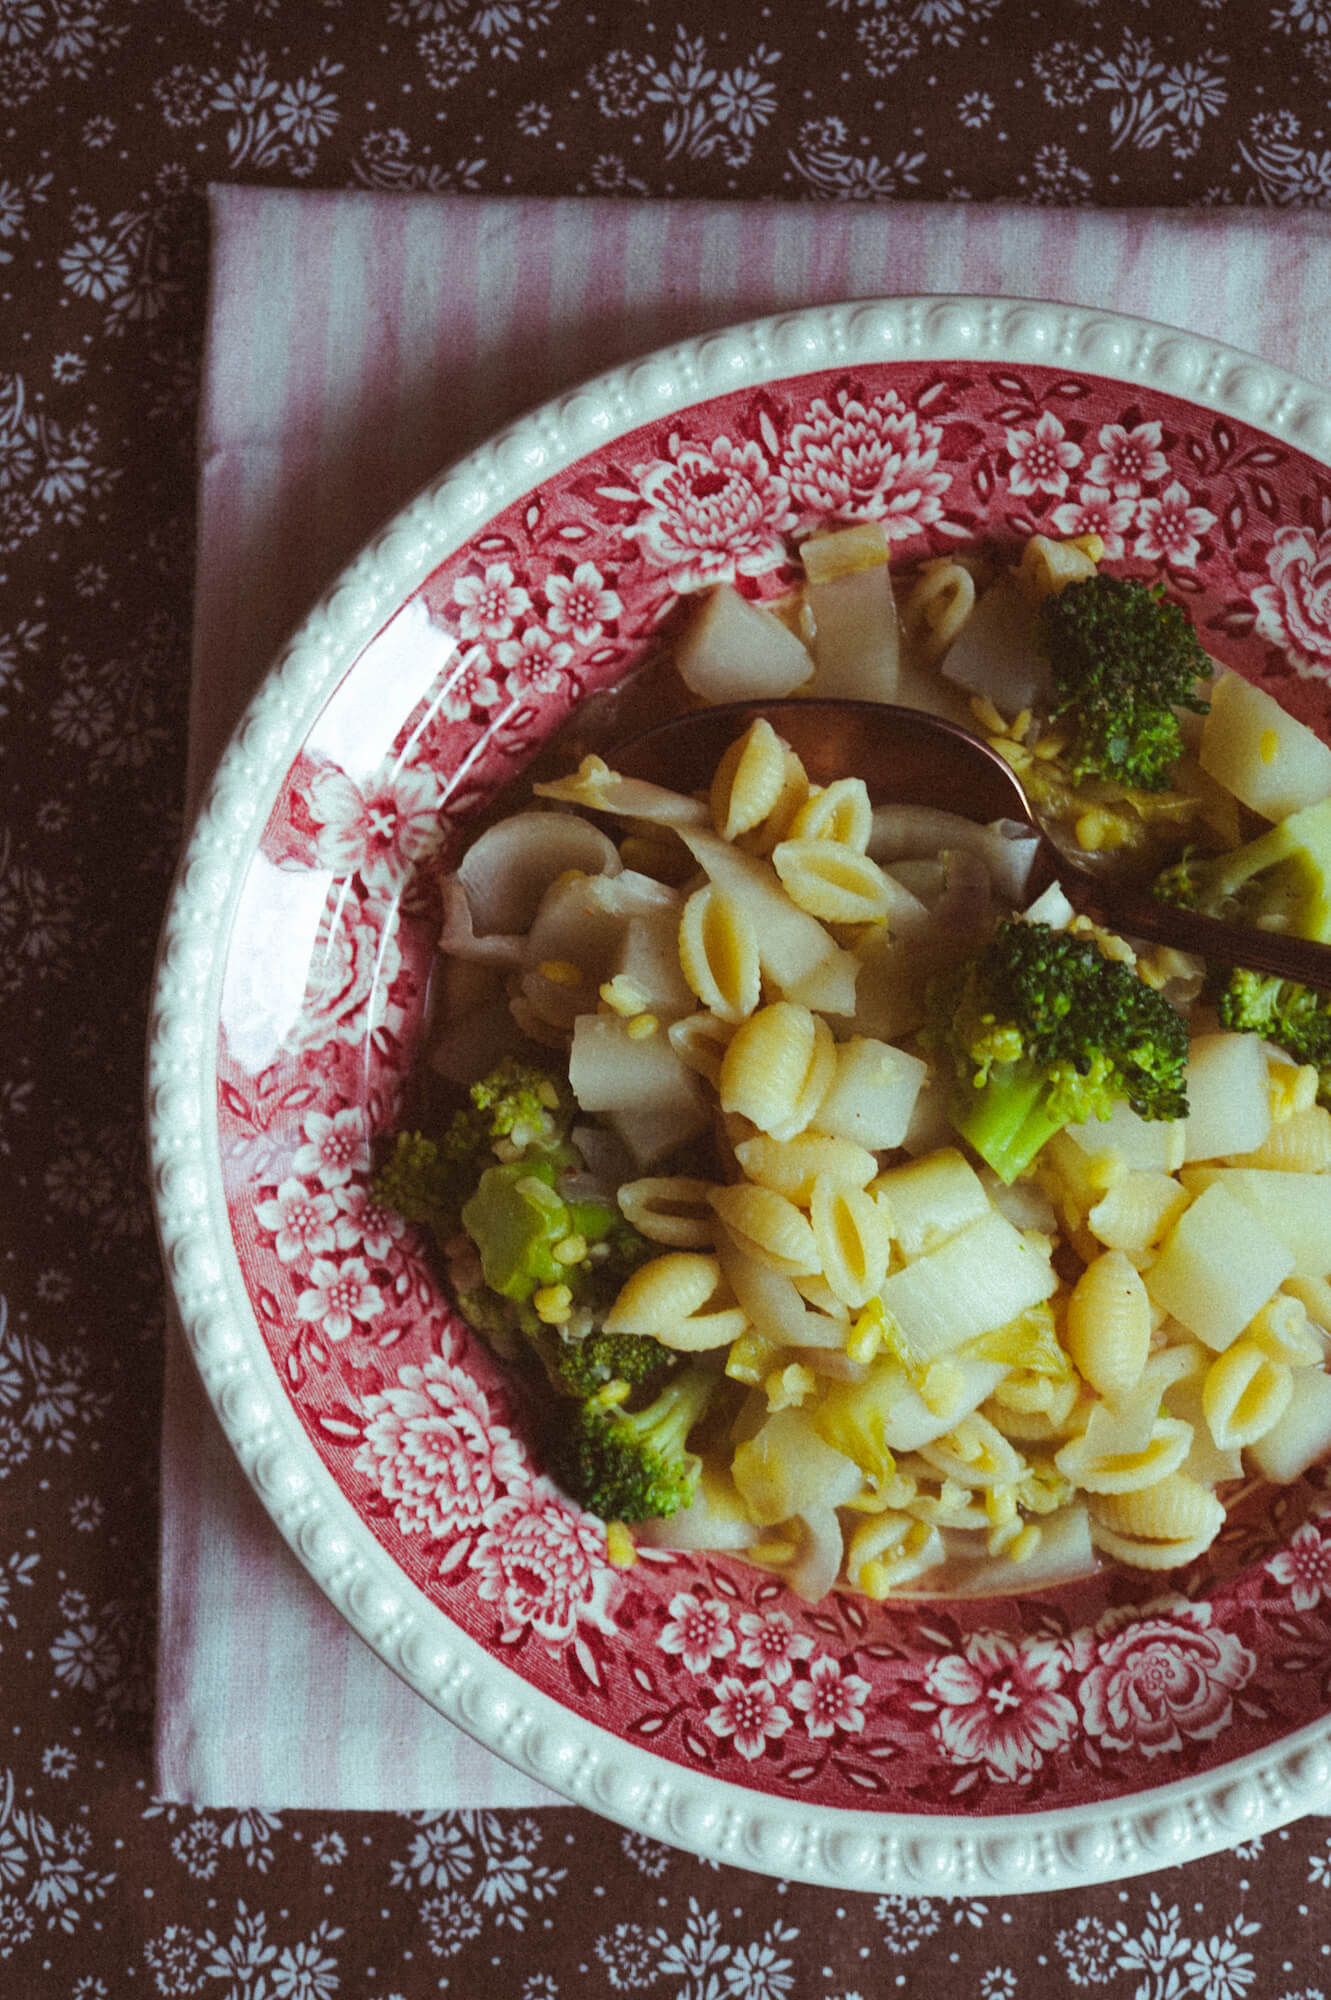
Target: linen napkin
{"type": "Point", "coordinates": [357, 343]}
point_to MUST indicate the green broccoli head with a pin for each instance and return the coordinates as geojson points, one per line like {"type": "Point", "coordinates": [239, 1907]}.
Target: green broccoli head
{"type": "Point", "coordinates": [516, 1112]}
{"type": "Point", "coordinates": [1043, 1030]}
{"type": "Point", "coordinates": [1123, 657]}
{"type": "Point", "coordinates": [1279, 881]}
{"type": "Point", "coordinates": [1294, 1017]}
{"type": "Point", "coordinates": [581, 1367]}
{"type": "Point", "coordinates": [630, 1465]}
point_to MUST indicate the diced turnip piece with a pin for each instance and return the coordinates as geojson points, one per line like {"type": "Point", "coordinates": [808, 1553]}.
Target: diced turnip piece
{"type": "Point", "coordinates": [1301, 1435]}
{"type": "Point", "coordinates": [652, 1132]}
{"type": "Point", "coordinates": [1218, 1266]}
{"type": "Point", "coordinates": [830, 987]}
{"type": "Point", "coordinates": [979, 1279]}
{"type": "Point", "coordinates": [856, 641]}
{"type": "Point", "coordinates": [1229, 1099]}
{"type": "Point", "coordinates": [998, 653]}
{"type": "Point", "coordinates": [786, 1469]}
{"type": "Point", "coordinates": [1005, 846]}
{"type": "Point", "coordinates": [1270, 761]}
{"type": "Point", "coordinates": [1295, 1207]}
{"type": "Point", "coordinates": [872, 1093]}
{"type": "Point", "coordinates": [508, 868]}
{"type": "Point", "coordinates": [648, 962]}
{"type": "Point", "coordinates": [737, 651]}
{"type": "Point", "coordinates": [610, 1070]}
{"type": "Point", "coordinates": [599, 789]}
{"type": "Point", "coordinates": [1139, 1142]}
{"type": "Point", "coordinates": [1064, 1553]}
{"type": "Point", "coordinates": [931, 1199]}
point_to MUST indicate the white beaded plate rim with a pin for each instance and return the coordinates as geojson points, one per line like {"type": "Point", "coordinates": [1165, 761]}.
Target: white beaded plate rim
{"type": "Point", "coordinates": [882, 1851]}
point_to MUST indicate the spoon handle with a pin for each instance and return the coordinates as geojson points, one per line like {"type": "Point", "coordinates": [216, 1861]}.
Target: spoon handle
{"type": "Point", "coordinates": [1136, 913]}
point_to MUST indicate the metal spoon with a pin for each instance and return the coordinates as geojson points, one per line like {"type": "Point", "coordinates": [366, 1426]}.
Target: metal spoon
{"type": "Point", "coordinates": [913, 758]}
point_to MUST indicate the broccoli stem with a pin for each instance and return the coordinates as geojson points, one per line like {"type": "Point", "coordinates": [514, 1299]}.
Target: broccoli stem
{"type": "Point", "coordinates": [1008, 1119]}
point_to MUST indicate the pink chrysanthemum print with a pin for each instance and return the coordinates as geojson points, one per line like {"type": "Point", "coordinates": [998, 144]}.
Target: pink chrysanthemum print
{"type": "Point", "coordinates": [1303, 1566]}
{"type": "Point", "coordinates": [1294, 608]}
{"type": "Point", "coordinates": [711, 512]}
{"type": "Point", "coordinates": [1002, 1704]}
{"type": "Point", "coordinates": [1042, 458]}
{"type": "Point", "coordinates": [1158, 1680]}
{"type": "Point", "coordinates": [433, 1450]}
{"type": "Point", "coordinates": [749, 1713]}
{"type": "Point", "coordinates": [544, 1564]}
{"type": "Point", "coordinates": [875, 460]}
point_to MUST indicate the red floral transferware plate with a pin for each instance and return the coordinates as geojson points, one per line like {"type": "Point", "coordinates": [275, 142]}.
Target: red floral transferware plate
{"type": "Point", "coordinates": [1055, 1738]}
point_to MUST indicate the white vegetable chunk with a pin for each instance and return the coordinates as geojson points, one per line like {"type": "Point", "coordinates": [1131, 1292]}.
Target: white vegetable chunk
{"type": "Point", "coordinates": [856, 639]}
{"type": "Point", "coordinates": [1148, 1143]}
{"type": "Point", "coordinates": [1065, 1553]}
{"type": "Point", "coordinates": [979, 1279]}
{"type": "Point", "coordinates": [1229, 1100]}
{"type": "Point", "coordinates": [508, 868]}
{"type": "Point", "coordinates": [1007, 847]}
{"type": "Point", "coordinates": [737, 651]}
{"type": "Point", "coordinates": [871, 1095]}
{"type": "Point", "coordinates": [1270, 761]}
{"type": "Point", "coordinates": [1300, 1436]}
{"type": "Point", "coordinates": [610, 1071]}
{"type": "Point", "coordinates": [931, 1199]}
{"type": "Point", "coordinates": [1294, 1207]}
{"type": "Point", "coordinates": [1217, 1267]}
{"type": "Point", "coordinates": [790, 942]}
{"type": "Point", "coordinates": [997, 651]}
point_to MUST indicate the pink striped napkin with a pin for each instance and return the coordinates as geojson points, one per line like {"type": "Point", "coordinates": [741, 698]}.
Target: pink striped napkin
{"type": "Point", "coordinates": [356, 344]}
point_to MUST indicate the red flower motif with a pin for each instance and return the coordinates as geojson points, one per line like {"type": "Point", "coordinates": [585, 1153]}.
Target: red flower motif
{"type": "Point", "coordinates": [830, 1699]}
{"type": "Point", "coordinates": [1128, 459]}
{"type": "Point", "coordinates": [749, 1713]}
{"type": "Point", "coordinates": [1096, 512]}
{"type": "Point", "coordinates": [1171, 527]}
{"type": "Point", "coordinates": [1304, 1567]}
{"type": "Point", "coordinates": [339, 1294]}
{"type": "Point", "coordinates": [301, 1222]}
{"type": "Point", "coordinates": [1042, 458]}
{"type": "Point", "coordinates": [1160, 1678]}
{"type": "Point", "coordinates": [1001, 1703]}
{"type": "Point", "coordinates": [378, 833]}
{"type": "Point", "coordinates": [433, 1450]}
{"type": "Point", "coordinates": [770, 1642]}
{"type": "Point", "coordinates": [712, 511]}
{"type": "Point", "coordinates": [544, 1563]}
{"type": "Point", "coordinates": [1294, 609]}
{"type": "Point", "coordinates": [698, 1630]}
{"type": "Point", "coordinates": [874, 459]}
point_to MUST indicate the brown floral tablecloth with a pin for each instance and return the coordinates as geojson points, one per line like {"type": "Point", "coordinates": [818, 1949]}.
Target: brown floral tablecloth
{"type": "Point", "coordinates": [113, 115]}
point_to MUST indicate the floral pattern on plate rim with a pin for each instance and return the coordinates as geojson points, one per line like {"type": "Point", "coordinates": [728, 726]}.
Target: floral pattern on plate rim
{"type": "Point", "coordinates": [1105, 1689]}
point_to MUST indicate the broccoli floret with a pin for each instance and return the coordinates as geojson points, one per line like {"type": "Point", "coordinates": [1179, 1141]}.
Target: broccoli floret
{"type": "Point", "coordinates": [581, 1367]}
{"type": "Point", "coordinates": [515, 1111]}
{"type": "Point", "coordinates": [1280, 881]}
{"type": "Point", "coordinates": [1043, 1030]}
{"type": "Point", "coordinates": [1294, 1017]}
{"type": "Point", "coordinates": [630, 1465]}
{"type": "Point", "coordinates": [1123, 657]}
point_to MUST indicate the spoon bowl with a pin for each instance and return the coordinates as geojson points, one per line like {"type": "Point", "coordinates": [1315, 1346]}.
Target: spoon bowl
{"type": "Point", "coordinates": [909, 757]}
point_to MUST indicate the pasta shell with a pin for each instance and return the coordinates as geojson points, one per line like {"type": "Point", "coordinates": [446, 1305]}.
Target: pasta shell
{"type": "Point", "coordinates": [666, 1297]}
{"type": "Point", "coordinates": [767, 1226]}
{"type": "Point", "coordinates": [791, 1166]}
{"type": "Point", "coordinates": [1137, 1212]}
{"type": "Point", "coordinates": [718, 952]}
{"type": "Point", "coordinates": [699, 1040]}
{"type": "Point", "coordinates": [1300, 1144]}
{"type": "Point", "coordinates": [831, 881]}
{"type": "Point", "coordinates": [1175, 1509]}
{"type": "Point", "coordinates": [975, 1454]}
{"type": "Point", "coordinates": [937, 606]}
{"type": "Point", "coordinates": [840, 811]}
{"type": "Point", "coordinates": [1108, 1330]}
{"type": "Point", "coordinates": [853, 1238]}
{"type": "Point", "coordinates": [777, 1068]}
{"type": "Point", "coordinates": [670, 1208]}
{"type": "Point", "coordinates": [1047, 566]}
{"type": "Point", "coordinates": [1124, 1472]}
{"type": "Point", "coordinates": [749, 780]}
{"type": "Point", "coordinates": [1244, 1394]}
